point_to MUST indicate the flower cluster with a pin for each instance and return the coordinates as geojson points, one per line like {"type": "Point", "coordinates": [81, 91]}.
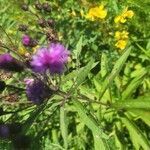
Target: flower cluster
{"type": "Point", "coordinates": [122, 39]}
{"type": "Point", "coordinates": [50, 59]}
{"type": "Point", "coordinates": [122, 18]}
{"type": "Point", "coordinates": [97, 12]}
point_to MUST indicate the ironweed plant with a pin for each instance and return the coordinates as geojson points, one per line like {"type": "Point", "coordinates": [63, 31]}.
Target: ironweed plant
{"type": "Point", "coordinates": [74, 75]}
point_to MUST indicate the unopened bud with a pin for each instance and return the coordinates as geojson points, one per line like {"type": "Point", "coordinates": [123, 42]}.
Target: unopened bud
{"type": "Point", "coordinates": [24, 7]}
{"type": "Point", "coordinates": [51, 22]}
{"type": "Point", "coordinates": [42, 23]}
{"type": "Point", "coordinates": [38, 6]}
{"type": "Point", "coordinates": [33, 43]}
{"type": "Point", "coordinates": [46, 7]}
{"type": "Point", "coordinates": [22, 27]}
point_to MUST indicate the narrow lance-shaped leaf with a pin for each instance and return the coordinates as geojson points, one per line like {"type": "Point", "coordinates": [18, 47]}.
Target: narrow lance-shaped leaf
{"type": "Point", "coordinates": [99, 136]}
{"type": "Point", "coordinates": [136, 135]}
{"type": "Point", "coordinates": [83, 73]}
{"type": "Point", "coordinates": [133, 85]}
{"type": "Point", "coordinates": [140, 103]}
{"type": "Point", "coordinates": [78, 49]}
{"type": "Point", "coordinates": [115, 71]}
{"type": "Point", "coordinates": [63, 126]}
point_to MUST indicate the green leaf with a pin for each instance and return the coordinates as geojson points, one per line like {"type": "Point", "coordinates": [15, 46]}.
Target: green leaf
{"type": "Point", "coordinates": [78, 49]}
{"type": "Point", "coordinates": [83, 72]}
{"type": "Point", "coordinates": [79, 75]}
{"type": "Point", "coordinates": [104, 65]}
{"type": "Point", "coordinates": [141, 113]}
{"type": "Point", "coordinates": [63, 126]}
{"type": "Point", "coordinates": [115, 71]}
{"type": "Point", "coordinates": [32, 118]}
{"type": "Point", "coordinates": [136, 135]}
{"type": "Point", "coordinates": [99, 136]}
{"type": "Point", "coordinates": [133, 85]}
{"type": "Point", "coordinates": [140, 103]}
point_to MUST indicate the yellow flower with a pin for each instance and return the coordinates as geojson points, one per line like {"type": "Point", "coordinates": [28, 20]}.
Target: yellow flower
{"type": "Point", "coordinates": [120, 19]}
{"type": "Point", "coordinates": [121, 35]}
{"type": "Point", "coordinates": [123, 17]}
{"type": "Point", "coordinates": [117, 35]}
{"type": "Point", "coordinates": [121, 44]}
{"type": "Point", "coordinates": [97, 13]}
{"type": "Point", "coordinates": [22, 51]}
{"type": "Point", "coordinates": [124, 34]}
{"type": "Point", "coordinates": [129, 14]}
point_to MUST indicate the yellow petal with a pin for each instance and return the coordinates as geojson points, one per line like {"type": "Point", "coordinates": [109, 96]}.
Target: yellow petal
{"type": "Point", "coordinates": [101, 7]}
{"type": "Point", "coordinates": [124, 34]}
{"type": "Point", "coordinates": [123, 20]}
{"type": "Point", "coordinates": [129, 14]}
{"type": "Point", "coordinates": [121, 44]}
{"type": "Point", "coordinates": [117, 19]}
{"type": "Point", "coordinates": [117, 35]}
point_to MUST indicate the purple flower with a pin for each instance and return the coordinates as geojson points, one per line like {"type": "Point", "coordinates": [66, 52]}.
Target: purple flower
{"type": "Point", "coordinates": [9, 130]}
{"type": "Point", "coordinates": [7, 62]}
{"type": "Point", "coordinates": [4, 131]}
{"type": "Point", "coordinates": [51, 58]}
{"type": "Point", "coordinates": [37, 91]}
{"type": "Point", "coordinates": [26, 40]}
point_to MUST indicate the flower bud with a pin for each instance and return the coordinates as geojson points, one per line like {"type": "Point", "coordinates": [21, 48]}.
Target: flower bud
{"type": "Point", "coordinates": [22, 27]}
{"type": "Point", "coordinates": [33, 43]}
{"type": "Point", "coordinates": [9, 130]}
{"type": "Point", "coordinates": [46, 7]}
{"type": "Point", "coordinates": [37, 91]}
{"type": "Point", "coordinates": [50, 22]}
{"type": "Point", "coordinates": [26, 40]}
{"type": "Point", "coordinates": [24, 7]}
{"type": "Point", "coordinates": [52, 36]}
{"type": "Point", "coordinates": [9, 63]}
{"type": "Point", "coordinates": [4, 131]}
{"type": "Point", "coordinates": [42, 23]}
{"type": "Point", "coordinates": [2, 86]}
{"type": "Point", "coordinates": [38, 6]}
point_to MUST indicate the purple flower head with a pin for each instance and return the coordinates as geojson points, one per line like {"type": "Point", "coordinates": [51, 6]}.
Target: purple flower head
{"type": "Point", "coordinates": [9, 130]}
{"type": "Point", "coordinates": [37, 91]}
{"type": "Point", "coordinates": [7, 62]}
{"type": "Point", "coordinates": [51, 58]}
{"type": "Point", "coordinates": [4, 131]}
{"type": "Point", "coordinates": [26, 40]}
